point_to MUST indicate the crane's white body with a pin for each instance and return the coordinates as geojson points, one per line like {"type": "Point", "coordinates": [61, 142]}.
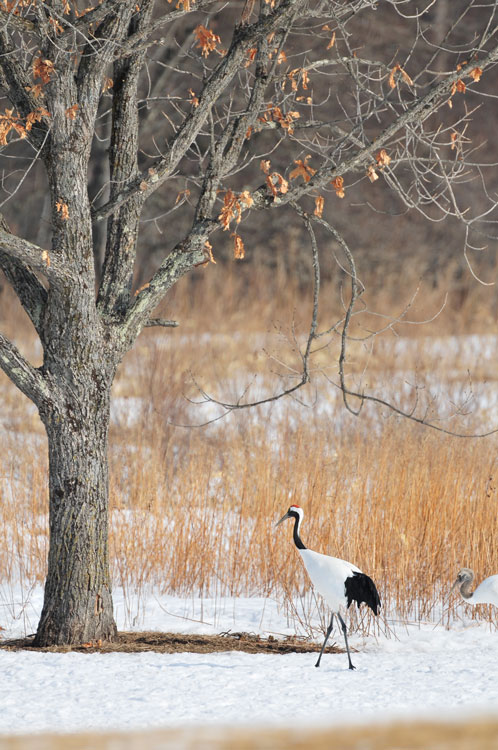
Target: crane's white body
{"type": "Point", "coordinates": [337, 581]}
{"type": "Point", "coordinates": [485, 593]}
{"type": "Point", "coordinates": [328, 575]}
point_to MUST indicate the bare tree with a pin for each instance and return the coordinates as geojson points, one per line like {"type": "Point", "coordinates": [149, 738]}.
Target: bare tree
{"type": "Point", "coordinates": [293, 106]}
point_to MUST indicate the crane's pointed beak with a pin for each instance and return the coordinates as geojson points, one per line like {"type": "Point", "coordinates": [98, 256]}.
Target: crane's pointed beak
{"type": "Point", "coordinates": [282, 519]}
{"type": "Point", "coordinates": [457, 582]}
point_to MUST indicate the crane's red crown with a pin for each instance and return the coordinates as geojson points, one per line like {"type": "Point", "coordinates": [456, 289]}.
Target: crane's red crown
{"type": "Point", "coordinates": [295, 506]}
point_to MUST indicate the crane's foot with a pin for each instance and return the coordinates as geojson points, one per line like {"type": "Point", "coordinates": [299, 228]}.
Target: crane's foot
{"type": "Point", "coordinates": [351, 665]}
{"type": "Point", "coordinates": [318, 663]}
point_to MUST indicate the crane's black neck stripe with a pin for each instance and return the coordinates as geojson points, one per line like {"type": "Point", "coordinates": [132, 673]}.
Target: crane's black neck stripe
{"type": "Point", "coordinates": [297, 538]}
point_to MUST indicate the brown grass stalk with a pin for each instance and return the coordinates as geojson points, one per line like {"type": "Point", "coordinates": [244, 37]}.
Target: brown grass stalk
{"type": "Point", "coordinates": [193, 509]}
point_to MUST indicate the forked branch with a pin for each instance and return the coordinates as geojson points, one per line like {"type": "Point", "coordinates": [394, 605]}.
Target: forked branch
{"type": "Point", "coordinates": [243, 39]}
{"type": "Point", "coordinates": [38, 259]}
{"type": "Point", "coordinates": [27, 378]}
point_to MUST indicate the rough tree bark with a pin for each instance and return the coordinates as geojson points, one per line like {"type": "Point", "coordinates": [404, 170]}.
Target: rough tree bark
{"type": "Point", "coordinates": [78, 602]}
{"type": "Point", "coordinates": [56, 61]}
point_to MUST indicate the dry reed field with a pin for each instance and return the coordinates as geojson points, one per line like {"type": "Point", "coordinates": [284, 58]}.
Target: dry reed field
{"type": "Point", "coordinates": [193, 508]}
{"type": "Point", "coordinates": [482, 735]}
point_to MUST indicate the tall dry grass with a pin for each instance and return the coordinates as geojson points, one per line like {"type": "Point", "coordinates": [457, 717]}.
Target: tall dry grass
{"type": "Point", "coordinates": [193, 508]}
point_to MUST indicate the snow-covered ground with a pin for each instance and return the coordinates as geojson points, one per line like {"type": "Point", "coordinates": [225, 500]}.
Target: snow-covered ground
{"type": "Point", "coordinates": [419, 670]}
{"type": "Point", "coordinates": [425, 670]}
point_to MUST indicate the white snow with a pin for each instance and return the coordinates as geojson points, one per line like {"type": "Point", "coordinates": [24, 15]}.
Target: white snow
{"type": "Point", "coordinates": [426, 670]}
{"type": "Point", "coordinates": [422, 669]}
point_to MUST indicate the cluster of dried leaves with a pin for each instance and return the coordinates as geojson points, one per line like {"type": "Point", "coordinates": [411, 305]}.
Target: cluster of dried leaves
{"type": "Point", "coordinates": [9, 121]}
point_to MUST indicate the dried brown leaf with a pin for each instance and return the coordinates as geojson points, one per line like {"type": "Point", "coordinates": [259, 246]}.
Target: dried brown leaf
{"type": "Point", "coordinates": [372, 174]}
{"type": "Point", "coordinates": [404, 74]}
{"type": "Point", "coordinates": [238, 246]}
{"type": "Point", "coordinates": [303, 169]}
{"type": "Point", "coordinates": [36, 116]}
{"type": "Point", "coordinates": [285, 121]}
{"type": "Point", "coordinates": [277, 184]}
{"type": "Point", "coordinates": [71, 111]}
{"type": "Point", "coordinates": [209, 251]}
{"type": "Point", "coordinates": [108, 84]}
{"type": "Point", "coordinates": [298, 75]}
{"type": "Point", "coordinates": [406, 77]}
{"type": "Point", "coordinates": [251, 55]}
{"type": "Point", "coordinates": [141, 288]}
{"type": "Point", "coordinates": [57, 27]}
{"type": "Point", "coordinates": [246, 198]}
{"type": "Point", "coordinates": [193, 98]}
{"type": "Point", "coordinates": [383, 159]}
{"type": "Point", "coordinates": [43, 69]}
{"type": "Point", "coordinates": [62, 209]}
{"type": "Point", "coordinates": [319, 203]}
{"type": "Point", "coordinates": [36, 90]}
{"type": "Point", "coordinates": [207, 41]}
{"type": "Point", "coordinates": [338, 185]}
{"type": "Point", "coordinates": [182, 195]}
{"type": "Point", "coordinates": [229, 210]}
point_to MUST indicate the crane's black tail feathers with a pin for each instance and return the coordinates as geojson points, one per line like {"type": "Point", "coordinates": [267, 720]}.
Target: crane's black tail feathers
{"type": "Point", "coordinates": [360, 588]}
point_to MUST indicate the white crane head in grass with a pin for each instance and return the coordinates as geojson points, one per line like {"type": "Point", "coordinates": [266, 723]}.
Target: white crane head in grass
{"type": "Point", "coordinates": [485, 593]}
{"type": "Point", "coordinates": [338, 581]}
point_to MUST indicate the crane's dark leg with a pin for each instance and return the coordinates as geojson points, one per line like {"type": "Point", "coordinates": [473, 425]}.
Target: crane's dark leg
{"type": "Point", "coordinates": [343, 626]}
{"type": "Point", "coordinates": [329, 630]}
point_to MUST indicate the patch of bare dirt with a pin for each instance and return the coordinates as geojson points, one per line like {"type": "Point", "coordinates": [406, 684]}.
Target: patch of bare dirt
{"type": "Point", "coordinates": [171, 643]}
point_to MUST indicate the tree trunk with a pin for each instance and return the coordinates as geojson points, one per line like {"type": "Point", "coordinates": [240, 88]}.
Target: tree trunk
{"type": "Point", "coordinates": [78, 602]}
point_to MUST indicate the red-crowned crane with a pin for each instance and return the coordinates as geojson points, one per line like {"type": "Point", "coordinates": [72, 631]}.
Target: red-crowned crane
{"type": "Point", "coordinates": [338, 581]}
{"type": "Point", "coordinates": [485, 593]}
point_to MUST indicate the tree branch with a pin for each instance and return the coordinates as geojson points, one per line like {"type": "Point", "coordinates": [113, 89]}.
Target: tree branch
{"type": "Point", "coordinates": [305, 374]}
{"type": "Point", "coordinates": [122, 229]}
{"type": "Point", "coordinates": [98, 53]}
{"type": "Point", "coordinates": [34, 257]}
{"type": "Point", "coordinates": [132, 44]}
{"type": "Point", "coordinates": [82, 25]}
{"type": "Point", "coordinates": [27, 378]}
{"type": "Point", "coordinates": [188, 254]}
{"type": "Point", "coordinates": [363, 397]}
{"type": "Point", "coordinates": [28, 288]}
{"type": "Point", "coordinates": [161, 322]}
{"type": "Point", "coordinates": [356, 289]}
{"type": "Point", "coordinates": [18, 22]}
{"type": "Point", "coordinates": [421, 110]}
{"type": "Point", "coordinates": [18, 83]}
{"type": "Point", "coordinates": [225, 154]}
{"type": "Point", "coordinates": [243, 39]}
{"type": "Point", "coordinates": [31, 293]}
